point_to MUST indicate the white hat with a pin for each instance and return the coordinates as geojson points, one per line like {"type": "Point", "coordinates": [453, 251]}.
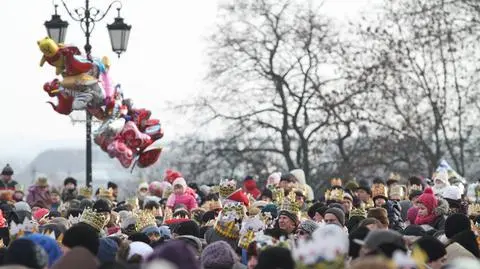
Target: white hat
{"type": "Point", "coordinates": [139, 248]}
{"type": "Point", "coordinates": [452, 192]}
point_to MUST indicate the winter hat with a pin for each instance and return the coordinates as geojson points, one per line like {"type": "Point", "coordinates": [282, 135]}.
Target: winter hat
{"type": "Point", "coordinates": [177, 252]}
{"type": "Point", "coordinates": [171, 175]}
{"type": "Point", "coordinates": [7, 170]}
{"type": "Point", "coordinates": [139, 237]}
{"type": "Point", "coordinates": [339, 214]}
{"type": "Point", "coordinates": [432, 247]}
{"type": "Point", "coordinates": [107, 250]}
{"type": "Point", "coordinates": [180, 181]}
{"type": "Point", "coordinates": [274, 178]}
{"type": "Point", "coordinates": [48, 244]}
{"type": "Point", "coordinates": [70, 180]}
{"type": "Point", "coordinates": [275, 257]}
{"type": "Point", "coordinates": [25, 252]}
{"type": "Point", "coordinates": [412, 214]}
{"type": "Point", "coordinates": [428, 199]}
{"type": "Point", "coordinates": [22, 206]}
{"type": "Point", "coordinates": [452, 193]}
{"type": "Point", "coordinates": [364, 185]}
{"type": "Point", "coordinates": [86, 203]}
{"type": "Point", "coordinates": [289, 214]}
{"type": "Point", "coordinates": [83, 236]}
{"type": "Point", "coordinates": [351, 185]}
{"type": "Point", "coordinates": [77, 258]}
{"type": "Point", "coordinates": [308, 226]}
{"type": "Point", "coordinates": [139, 248]}
{"type": "Point", "coordinates": [189, 227]}
{"type": "Point", "coordinates": [414, 230]}
{"type": "Point", "coordinates": [455, 224]}
{"type": "Point", "coordinates": [40, 213]}
{"type": "Point", "coordinates": [358, 234]}
{"type": "Point", "coordinates": [267, 193]}
{"type": "Point", "coordinates": [414, 194]}
{"type": "Point", "coordinates": [312, 210]}
{"type": "Point", "coordinates": [272, 209]}
{"type": "Point", "coordinates": [213, 236]}
{"type": "Point", "coordinates": [218, 255]}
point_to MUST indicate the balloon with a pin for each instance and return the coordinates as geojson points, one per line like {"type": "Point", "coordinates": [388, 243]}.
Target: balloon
{"type": "Point", "coordinates": [134, 138]}
{"type": "Point", "coordinates": [118, 149]}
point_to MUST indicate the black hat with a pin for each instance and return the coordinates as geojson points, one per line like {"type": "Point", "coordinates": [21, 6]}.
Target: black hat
{"type": "Point", "coordinates": [187, 228]}
{"type": "Point", "coordinates": [112, 185]}
{"type": "Point", "coordinates": [82, 235]}
{"type": "Point", "coordinates": [363, 185]}
{"type": "Point", "coordinates": [432, 247]}
{"type": "Point", "coordinates": [275, 257]}
{"type": "Point", "coordinates": [25, 252]}
{"type": "Point", "coordinates": [7, 170]}
{"type": "Point", "coordinates": [70, 180]}
{"type": "Point", "coordinates": [101, 206]}
{"type": "Point", "coordinates": [455, 224]}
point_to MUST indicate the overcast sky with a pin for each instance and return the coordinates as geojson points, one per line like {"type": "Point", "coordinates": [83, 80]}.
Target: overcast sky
{"type": "Point", "coordinates": [165, 62]}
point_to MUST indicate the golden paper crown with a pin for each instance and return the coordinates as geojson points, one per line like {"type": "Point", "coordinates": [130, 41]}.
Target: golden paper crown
{"type": "Point", "coordinates": [144, 219]}
{"type": "Point", "coordinates": [106, 194]}
{"type": "Point", "coordinates": [290, 203]}
{"type": "Point", "coordinates": [133, 201]}
{"type": "Point", "coordinates": [379, 190]}
{"type": "Point", "coordinates": [334, 194]}
{"type": "Point", "coordinates": [397, 191]}
{"type": "Point", "coordinates": [358, 212]}
{"type": "Point", "coordinates": [394, 177]}
{"type": "Point", "coordinates": [212, 205]}
{"type": "Point", "coordinates": [474, 209]}
{"type": "Point", "coordinates": [94, 219]}
{"type": "Point", "coordinates": [85, 192]}
{"type": "Point", "coordinates": [236, 209]}
{"type": "Point", "coordinates": [228, 229]}
{"type": "Point", "coordinates": [54, 236]}
{"type": "Point", "coordinates": [278, 195]}
{"type": "Point", "coordinates": [227, 188]}
{"type": "Point", "coordinates": [336, 182]}
{"type": "Point", "coordinates": [215, 189]}
{"type": "Point", "coordinates": [166, 192]}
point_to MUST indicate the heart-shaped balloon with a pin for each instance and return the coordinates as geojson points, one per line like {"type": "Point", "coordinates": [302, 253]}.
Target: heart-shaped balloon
{"type": "Point", "coordinates": [148, 158]}
{"type": "Point", "coordinates": [118, 149]}
{"type": "Point", "coordinates": [133, 137]}
{"type": "Point", "coordinates": [155, 131]}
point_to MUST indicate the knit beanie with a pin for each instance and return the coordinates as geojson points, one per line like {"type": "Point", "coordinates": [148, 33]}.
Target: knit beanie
{"type": "Point", "coordinates": [455, 224]}
{"type": "Point", "coordinates": [308, 226]}
{"type": "Point", "coordinates": [25, 252]}
{"type": "Point", "coordinates": [22, 206]}
{"type": "Point", "coordinates": [428, 199]}
{"type": "Point", "coordinates": [102, 205]}
{"type": "Point", "coordinates": [82, 235]}
{"type": "Point", "coordinates": [272, 209]}
{"type": "Point", "coordinates": [218, 255]}
{"type": "Point", "coordinates": [414, 194]}
{"type": "Point", "coordinates": [290, 215]}
{"type": "Point", "coordinates": [107, 250]}
{"type": "Point", "coordinates": [452, 193]}
{"type": "Point", "coordinates": [275, 257]}
{"type": "Point", "coordinates": [177, 252]}
{"type": "Point", "coordinates": [432, 247]}
{"type": "Point", "coordinates": [338, 214]}
{"type": "Point", "coordinates": [7, 170]}
{"type": "Point", "coordinates": [139, 248]}
{"type": "Point", "coordinates": [48, 244]}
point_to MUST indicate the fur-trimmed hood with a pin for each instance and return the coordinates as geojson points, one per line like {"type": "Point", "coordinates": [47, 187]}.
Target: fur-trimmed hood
{"type": "Point", "coordinates": [442, 208]}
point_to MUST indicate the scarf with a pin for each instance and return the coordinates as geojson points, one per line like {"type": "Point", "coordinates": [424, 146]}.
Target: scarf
{"type": "Point", "coordinates": [420, 220]}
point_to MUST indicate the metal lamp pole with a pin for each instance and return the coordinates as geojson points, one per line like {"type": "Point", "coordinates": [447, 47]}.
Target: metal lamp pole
{"type": "Point", "coordinates": [87, 16]}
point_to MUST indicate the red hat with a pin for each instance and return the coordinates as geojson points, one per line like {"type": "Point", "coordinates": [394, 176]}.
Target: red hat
{"type": "Point", "coordinates": [239, 196]}
{"type": "Point", "coordinates": [171, 175]}
{"type": "Point", "coordinates": [428, 199]}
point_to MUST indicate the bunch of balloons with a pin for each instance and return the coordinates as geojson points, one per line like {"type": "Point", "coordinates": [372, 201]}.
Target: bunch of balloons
{"type": "Point", "coordinates": [126, 133]}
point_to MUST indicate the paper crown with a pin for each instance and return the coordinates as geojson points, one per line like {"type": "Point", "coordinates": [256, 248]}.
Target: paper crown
{"type": "Point", "coordinates": [336, 182]}
{"type": "Point", "coordinates": [397, 191]}
{"type": "Point", "coordinates": [227, 229]}
{"type": "Point", "coordinates": [212, 205]}
{"type": "Point", "coordinates": [106, 194]}
{"type": "Point", "coordinates": [277, 195]}
{"type": "Point", "coordinates": [94, 219]}
{"type": "Point", "coordinates": [289, 203]}
{"type": "Point", "coordinates": [26, 227]}
{"type": "Point", "coordinates": [334, 194]}
{"type": "Point", "coordinates": [239, 196]}
{"type": "Point", "coordinates": [393, 177]}
{"type": "Point", "coordinates": [85, 192]}
{"type": "Point", "coordinates": [379, 190]}
{"type": "Point", "coordinates": [473, 209]}
{"type": "Point", "coordinates": [133, 201]}
{"type": "Point", "coordinates": [358, 212]}
{"type": "Point", "coordinates": [215, 189]}
{"type": "Point", "coordinates": [73, 220]}
{"type": "Point", "coordinates": [52, 235]}
{"type": "Point", "coordinates": [250, 226]}
{"type": "Point", "coordinates": [233, 211]}
{"type": "Point", "coordinates": [167, 191]}
{"type": "Point", "coordinates": [227, 187]}
{"type": "Point", "coordinates": [144, 219]}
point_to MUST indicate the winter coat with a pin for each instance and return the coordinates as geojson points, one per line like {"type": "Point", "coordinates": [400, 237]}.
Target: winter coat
{"type": "Point", "coordinates": [68, 195]}
{"type": "Point", "coordinates": [394, 215]}
{"type": "Point", "coordinates": [36, 195]}
{"type": "Point", "coordinates": [185, 199]}
{"type": "Point", "coordinates": [441, 211]}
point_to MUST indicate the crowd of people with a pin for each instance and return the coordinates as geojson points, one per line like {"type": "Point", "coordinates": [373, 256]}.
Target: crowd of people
{"type": "Point", "coordinates": [175, 224]}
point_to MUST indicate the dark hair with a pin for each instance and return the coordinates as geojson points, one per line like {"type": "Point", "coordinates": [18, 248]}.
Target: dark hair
{"type": "Point", "coordinates": [289, 178]}
{"type": "Point", "coordinates": [112, 185]}
{"type": "Point", "coordinates": [150, 205]}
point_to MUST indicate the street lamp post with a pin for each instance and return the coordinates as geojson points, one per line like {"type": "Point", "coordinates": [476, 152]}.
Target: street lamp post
{"type": "Point", "coordinates": [87, 16]}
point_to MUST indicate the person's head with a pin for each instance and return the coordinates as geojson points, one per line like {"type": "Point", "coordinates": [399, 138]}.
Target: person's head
{"type": "Point", "coordinates": [70, 183]}
{"type": "Point", "coordinates": [42, 184]}
{"type": "Point", "coordinates": [18, 196]}
{"type": "Point", "coordinates": [435, 251]}
{"type": "Point", "coordinates": [455, 224]}
{"type": "Point", "coordinates": [306, 228]}
{"type": "Point", "coordinates": [379, 201]}
{"type": "Point", "coordinates": [300, 197]}
{"type": "Point", "coordinates": [252, 254]}
{"type": "Point", "coordinates": [275, 257]}
{"type": "Point", "coordinates": [179, 186]}
{"type": "Point", "coordinates": [347, 202]}
{"type": "Point", "coordinates": [81, 235]}
{"type": "Point", "coordinates": [7, 173]}
{"type": "Point", "coordinates": [287, 221]}
{"type": "Point", "coordinates": [55, 197]}
{"type": "Point", "coordinates": [27, 253]}
{"type": "Point", "coordinates": [363, 193]}
{"type": "Point", "coordinates": [380, 214]}
{"type": "Point", "coordinates": [383, 242]}
{"type": "Point", "coordinates": [142, 190]}
{"type": "Point", "coordinates": [287, 182]}
{"type": "Point", "coordinates": [154, 207]}
{"type": "Point", "coordinates": [426, 203]}
{"type": "Point", "coordinates": [334, 216]}
{"type": "Point", "coordinates": [266, 196]}
{"type": "Point", "coordinates": [104, 207]}
{"type": "Point", "coordinates": [114, 187]}
{"type": "Point", "coordinates": [371, 224]}
{"type": "Point", "coordinates": [219, 254]}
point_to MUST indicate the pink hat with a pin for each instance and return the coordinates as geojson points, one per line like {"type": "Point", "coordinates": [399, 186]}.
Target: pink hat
{"type": "Point", "coordinates": [40, 213]}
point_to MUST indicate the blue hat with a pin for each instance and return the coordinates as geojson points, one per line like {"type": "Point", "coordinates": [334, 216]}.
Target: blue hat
{"type": "Point", "coordinates": [107, 250]}
{"type": "Point", "coordinates": [50, 246]}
